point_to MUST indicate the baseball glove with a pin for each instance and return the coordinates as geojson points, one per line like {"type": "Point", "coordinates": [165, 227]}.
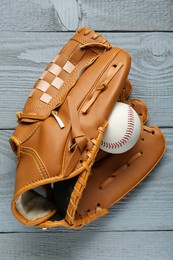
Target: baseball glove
{"type": "Point", "coordinates": [63, 179]}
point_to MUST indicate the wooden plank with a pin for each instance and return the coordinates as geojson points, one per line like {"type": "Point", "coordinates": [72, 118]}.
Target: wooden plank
{"type": "Point", "coordinates": [88, 245]}
{"type": "Point", "coordinates": [110, 15]}
{"type": "Point", "coordinates": [148, 207]}
{"type": "Point", "coordinates": [25, 55]}
{"type": "Point", "coordinates": [128, 15]}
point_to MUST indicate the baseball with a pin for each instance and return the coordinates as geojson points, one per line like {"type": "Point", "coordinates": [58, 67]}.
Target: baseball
{"type": "Point", "coordinates": [123, 130]}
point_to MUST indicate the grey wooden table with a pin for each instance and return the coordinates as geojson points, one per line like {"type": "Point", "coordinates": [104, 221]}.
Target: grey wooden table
{"type": "Point", "coordinates": [139, 227]}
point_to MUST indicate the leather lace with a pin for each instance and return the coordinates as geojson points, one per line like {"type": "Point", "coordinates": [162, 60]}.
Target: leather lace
{"type": "Point", "coordinates": [121, 169]}
{"type": "Point", "coordinates": [96, 44]}
{"type": "Point", "coordinates": [103, 44]}
{"type": "Point", "coordinates": [79, 138]}
{"type": "Point", "coordinates": [113, 71]}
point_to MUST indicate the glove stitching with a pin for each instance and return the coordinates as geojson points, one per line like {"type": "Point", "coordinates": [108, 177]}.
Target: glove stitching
{"type": "Point", "coordinates": [41, 167]}
{"type": "Point", "coordinates": [32, 132]}
{"type": "Point", "coordinates": [127, 135]}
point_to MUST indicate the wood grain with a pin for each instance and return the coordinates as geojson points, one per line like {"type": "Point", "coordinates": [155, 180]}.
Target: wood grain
{"type": "Point", "coordinates": [25, 55]}
{"type": "Point", "coordinates": [148, 207]}
{"type": "Point", "coordinates": [87, 245]}
{"type": "Point", "coordinates": [109, 15]}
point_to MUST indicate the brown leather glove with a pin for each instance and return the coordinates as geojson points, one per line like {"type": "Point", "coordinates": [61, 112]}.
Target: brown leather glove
{"type": "Point", "coordinates": [60, 131]}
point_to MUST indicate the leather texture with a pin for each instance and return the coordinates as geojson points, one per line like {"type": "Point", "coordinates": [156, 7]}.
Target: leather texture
{"type": "Point", "coordinates": [62, 178]}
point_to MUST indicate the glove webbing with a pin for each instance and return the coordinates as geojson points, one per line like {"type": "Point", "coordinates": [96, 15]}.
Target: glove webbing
{"type": "Point", "coordinates": [82, 180]}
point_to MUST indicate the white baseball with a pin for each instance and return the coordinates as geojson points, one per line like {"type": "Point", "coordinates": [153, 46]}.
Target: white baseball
{"type": "Point", "coordinates": [123, 130]}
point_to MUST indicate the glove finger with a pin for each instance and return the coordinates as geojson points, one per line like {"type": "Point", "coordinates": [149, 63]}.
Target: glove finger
{"type": "Point", "coordinates": [114, 176]}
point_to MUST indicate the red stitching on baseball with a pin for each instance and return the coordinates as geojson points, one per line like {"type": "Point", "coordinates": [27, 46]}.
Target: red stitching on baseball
{"type": "Point", "coordinates": [127, 135]}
